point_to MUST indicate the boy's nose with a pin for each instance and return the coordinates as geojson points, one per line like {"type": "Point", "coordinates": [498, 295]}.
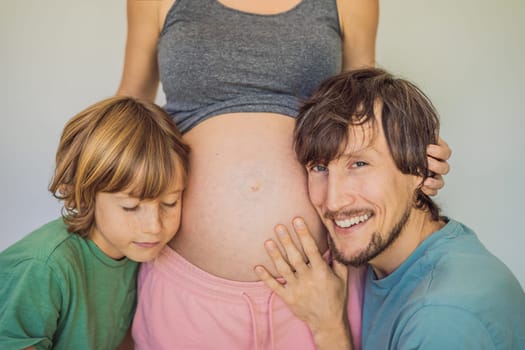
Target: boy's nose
{"type": "Point", "coordinates": [151, 220]}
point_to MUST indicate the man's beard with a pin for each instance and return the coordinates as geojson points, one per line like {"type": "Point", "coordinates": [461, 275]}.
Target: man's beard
{"type": "Point", "coordinates": [376, 246]}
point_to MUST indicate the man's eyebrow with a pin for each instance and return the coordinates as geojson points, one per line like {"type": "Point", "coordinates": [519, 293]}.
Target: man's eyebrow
{"type": "Point", "coordinates": [359, 152]}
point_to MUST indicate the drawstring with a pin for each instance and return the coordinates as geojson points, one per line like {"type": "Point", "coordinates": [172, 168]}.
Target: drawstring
{"type": "Point", "coordinates": [270, 318]}
{"type": "Point", "coordinates": [254, 321]}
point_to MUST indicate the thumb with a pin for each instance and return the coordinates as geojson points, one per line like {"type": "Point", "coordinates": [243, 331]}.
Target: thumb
{"type": "Point", "coordinates": [340, 270]}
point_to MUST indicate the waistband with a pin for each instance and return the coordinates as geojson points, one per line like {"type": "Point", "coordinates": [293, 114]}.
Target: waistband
{"type": "Point", "coordinates": [187, 276]}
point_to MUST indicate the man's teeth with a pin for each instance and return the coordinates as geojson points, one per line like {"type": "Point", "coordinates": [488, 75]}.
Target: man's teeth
{"type": "Point", "coordinates": [351, 222]}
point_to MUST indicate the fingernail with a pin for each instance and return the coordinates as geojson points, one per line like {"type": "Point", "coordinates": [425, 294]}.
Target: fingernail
{"type": "Point", "coordinates": [269, 245]}
{"type": "Point", "coordinates": [280, 231]}
{"type": "Point", "coordinates": [299, 223]}
{"type": "Point", "coordinates": [258, 270]}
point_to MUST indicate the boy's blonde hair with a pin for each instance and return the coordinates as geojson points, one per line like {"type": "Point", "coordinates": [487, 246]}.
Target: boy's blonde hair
{"type": "Point", "coordinates": [117, 144]}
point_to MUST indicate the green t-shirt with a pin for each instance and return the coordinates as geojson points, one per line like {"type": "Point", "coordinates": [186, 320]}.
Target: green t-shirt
{"type": "Point", "coordinates": [60, 291]}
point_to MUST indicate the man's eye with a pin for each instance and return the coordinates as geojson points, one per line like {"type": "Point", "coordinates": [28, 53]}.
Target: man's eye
{"type": "Point", "coordinates": [318, 168]}
{"type": "Point", "coordinates": [359, 164]}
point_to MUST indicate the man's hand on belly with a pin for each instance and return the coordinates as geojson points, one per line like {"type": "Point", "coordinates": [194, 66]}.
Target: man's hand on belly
{"type": "Point", "coordinates": [314, 291]}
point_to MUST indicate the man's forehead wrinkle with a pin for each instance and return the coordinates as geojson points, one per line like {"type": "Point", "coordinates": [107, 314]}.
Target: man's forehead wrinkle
{"type": "Point", "coordinates": [358, 152]}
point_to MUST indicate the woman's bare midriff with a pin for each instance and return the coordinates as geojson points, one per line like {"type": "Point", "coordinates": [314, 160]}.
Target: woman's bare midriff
{"type": "Point", "coordinates": [244, 179]}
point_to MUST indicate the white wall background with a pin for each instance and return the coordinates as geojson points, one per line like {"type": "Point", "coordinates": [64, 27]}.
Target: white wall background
{"type": "Point", "coordinates": [59, 56]}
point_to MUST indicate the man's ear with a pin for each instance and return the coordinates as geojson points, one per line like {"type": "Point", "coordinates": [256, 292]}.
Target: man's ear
{"type": "Point", "coordinates": [417, 189]}
{"type": "Point", "coordinates": [417, 182]}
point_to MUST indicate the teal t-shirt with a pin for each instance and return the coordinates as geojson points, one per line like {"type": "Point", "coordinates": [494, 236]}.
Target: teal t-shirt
{"type": "Point", "coordinates": [60, 291]}
{"type": "Point", "coordinates": [451, 293]}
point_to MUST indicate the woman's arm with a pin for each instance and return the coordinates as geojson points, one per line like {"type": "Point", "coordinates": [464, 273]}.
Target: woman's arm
{"type": "Point", "coordinates": [140, 76]}
{"type": "Point", "coordinates": [359, 20]}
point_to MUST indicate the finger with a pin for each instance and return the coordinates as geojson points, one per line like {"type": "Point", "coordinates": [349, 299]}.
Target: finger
{"type": "Point", "coordinates": [430, 193]}
{"type": "Point", "coordinates": [446, 148]}
{"type": "Point", "coordinates": [268, 279]}
{"type": "Point", "coordinates": [280, 263]}
{"type": "Point", "coordinates": [295, 259]}
{"type": "Point", "coordinates": [308, 243]}
{"type": "Point", "coordinates": [440, 151]}
{"type": "Point", "coordinates": [438, 166]}
{"type": "Point", "coordinates": [432, 185]}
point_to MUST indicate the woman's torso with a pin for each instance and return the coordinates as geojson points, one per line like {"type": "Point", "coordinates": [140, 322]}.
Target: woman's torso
{"type": "Point", "coordinates": [233, 99]}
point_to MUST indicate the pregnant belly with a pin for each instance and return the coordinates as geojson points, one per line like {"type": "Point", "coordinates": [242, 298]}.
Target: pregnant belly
{"type": "Point", "coordinates": [244, 179]}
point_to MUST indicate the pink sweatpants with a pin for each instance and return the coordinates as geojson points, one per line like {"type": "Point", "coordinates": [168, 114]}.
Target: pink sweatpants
{"type": "Point", "coordinates": [183, 307]}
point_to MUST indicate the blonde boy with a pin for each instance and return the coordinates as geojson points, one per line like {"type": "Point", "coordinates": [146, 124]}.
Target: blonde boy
{"type": "Point", "coordinates": [120, 170]}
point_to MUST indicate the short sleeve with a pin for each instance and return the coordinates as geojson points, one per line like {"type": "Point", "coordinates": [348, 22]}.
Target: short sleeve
{"type": "Point", "coordinates": [444, 327]}
{"type": "Point", "coordinates": [30, 305]}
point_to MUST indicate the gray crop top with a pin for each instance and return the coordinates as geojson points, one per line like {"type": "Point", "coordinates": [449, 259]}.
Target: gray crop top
{"type": "Point", "coordinates": [215, 60]}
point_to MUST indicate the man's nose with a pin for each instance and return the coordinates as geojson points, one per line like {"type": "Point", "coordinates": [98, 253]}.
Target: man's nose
{"type": "Point", "coordinates": [339, 193]}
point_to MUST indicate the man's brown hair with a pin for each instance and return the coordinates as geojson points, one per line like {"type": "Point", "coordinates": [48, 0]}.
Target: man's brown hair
{"type": "Point", "coordinates": [409, 121]}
